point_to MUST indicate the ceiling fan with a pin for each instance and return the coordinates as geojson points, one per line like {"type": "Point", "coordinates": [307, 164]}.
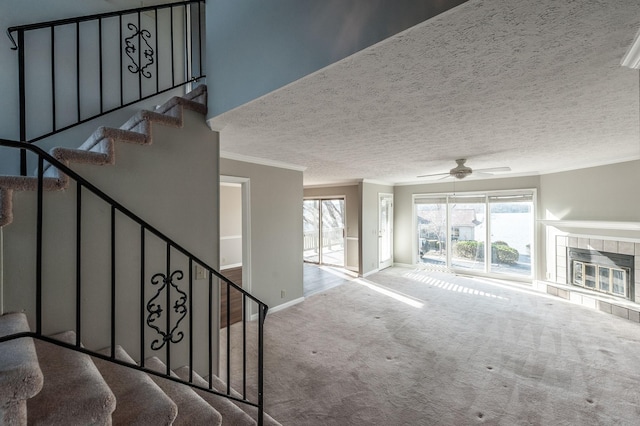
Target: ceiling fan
{"type": "Point", "coordinates": [461, 171]}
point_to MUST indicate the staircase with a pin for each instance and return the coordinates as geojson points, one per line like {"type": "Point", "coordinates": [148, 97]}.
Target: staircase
{"type": "Point", "coordinates": [53, 379]}
{"type": "Point", "coordinates": [46, 384]}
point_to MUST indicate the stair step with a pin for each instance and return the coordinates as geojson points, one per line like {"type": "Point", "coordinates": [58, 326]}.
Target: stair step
{"type": "Point", "coordinates": [252, 411]}
{"type": "Point", "coordinates": [192, 410]}
{"type": "Point", "coordinates": [231, 413]}
{"type": "Point", "coordinates": [140, 400]}
{"type": "Point", "coordinates": [99, 148]}
{"type": "Point", "coordinates": [20, 374]}
{"type": "Point", "coordinates": [74, 392]}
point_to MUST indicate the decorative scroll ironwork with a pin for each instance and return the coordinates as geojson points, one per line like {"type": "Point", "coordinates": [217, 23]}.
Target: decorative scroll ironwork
{"type": "Point", "coordinates": [130, 49]}
{"type": "Point", "coordinates": [154, 308]}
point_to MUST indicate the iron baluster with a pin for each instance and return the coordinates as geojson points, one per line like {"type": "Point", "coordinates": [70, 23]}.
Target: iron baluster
{"type": "Point", "coordinates": [53, 80]}
{"type": "Point", "coordinates": [113, 282]}
{"type": "Point", "coordinates": [39, 231]}
{"type": "Point", "coordinates": [78, 263]}
{"type": "Point", "coordinates": [142, 295]}
{"type": "Point", "coordinates": [228, 340]}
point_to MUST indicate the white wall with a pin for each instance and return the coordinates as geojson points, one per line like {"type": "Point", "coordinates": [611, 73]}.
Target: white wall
{"type": "Point", "coordinates": [276, 229]}
{"type": "Point", "coordinates": [599, 194]}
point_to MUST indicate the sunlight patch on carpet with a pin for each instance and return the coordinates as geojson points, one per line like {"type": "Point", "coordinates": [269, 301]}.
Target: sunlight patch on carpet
{"type": "Point", "coordinates": [445, 285]}
{"type": "Point", "coordinates": [411, 301]}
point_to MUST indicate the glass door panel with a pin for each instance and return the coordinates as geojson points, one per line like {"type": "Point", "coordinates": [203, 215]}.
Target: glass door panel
{"type": "Point", "coordinates": [332, 223]}
{"type": "Point", "coordinates": [511, 229]}
{"type": "Point", "coordinates": [432, 232]}
{"type": "Point", "coordinates": [311, 230]}
{"type": "Point", "coordinates": [468, 233]}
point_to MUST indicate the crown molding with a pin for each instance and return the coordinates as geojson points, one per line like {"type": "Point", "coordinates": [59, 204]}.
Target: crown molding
{"type": "Point", "coordinates": [261, 161]}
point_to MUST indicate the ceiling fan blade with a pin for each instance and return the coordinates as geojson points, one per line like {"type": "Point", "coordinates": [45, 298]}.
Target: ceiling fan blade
{"type": "Point", "coordinates": [493, 170]}
{"type": "Point", "coordinates": [434, 175]}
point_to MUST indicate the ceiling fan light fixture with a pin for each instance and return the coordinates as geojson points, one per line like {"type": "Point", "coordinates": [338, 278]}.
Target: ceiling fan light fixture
{"type": "Point", "coordinates": [460, 174]}
{"type": "Point", "coordinates": [461, 171]}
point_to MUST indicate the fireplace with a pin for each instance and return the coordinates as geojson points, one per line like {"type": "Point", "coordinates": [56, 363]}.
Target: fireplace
{"type": "Point", "coordinates": [604, 272]}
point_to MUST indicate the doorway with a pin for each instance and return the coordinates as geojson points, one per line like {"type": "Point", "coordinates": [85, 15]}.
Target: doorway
{"type": "Point", "coordinates": [324, 231]}
{"type": "Point", "coordinates": [234, 245]}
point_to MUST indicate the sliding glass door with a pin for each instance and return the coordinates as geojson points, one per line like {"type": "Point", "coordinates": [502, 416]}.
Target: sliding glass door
{"type": "Point", "coordinates": [467, 220]}
{"type": "Point", "coordinates": [324, 236]}
{"type": "Point", "coordinates": [453, 231]}
{"type": "Point", "coordinates": [511, 230]}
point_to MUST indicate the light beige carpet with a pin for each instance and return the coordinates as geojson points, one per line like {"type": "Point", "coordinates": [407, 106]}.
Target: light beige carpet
{"type": "Point", "coordinates": [407, 347]}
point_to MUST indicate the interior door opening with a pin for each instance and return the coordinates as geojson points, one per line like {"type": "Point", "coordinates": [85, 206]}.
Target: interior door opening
{"type": "Point", "coordinates": [324, 231]}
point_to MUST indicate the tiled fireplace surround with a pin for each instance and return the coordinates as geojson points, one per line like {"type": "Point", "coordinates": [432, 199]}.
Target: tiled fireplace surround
{"type": "Point", "coordinates": [620, 307]}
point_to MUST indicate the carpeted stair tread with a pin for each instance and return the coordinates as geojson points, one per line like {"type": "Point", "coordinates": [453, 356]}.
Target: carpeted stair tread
{"type": "Point", "coordinates": [231, 413]}
{"type": "Point", "coordinates": [26, 183]}
{"type": "Point", "coordinates": [139, 400]}
{"type": "Point", "coordinates": [20, 374]}
{"type": "Point", "coordinates": [74, 392]}
{"type": "Point", "coordinates": [192, 410]}
{"type": "Point", "coordinates": [252, 411]}
{"type": "Point", "coordinates": [99, 149]}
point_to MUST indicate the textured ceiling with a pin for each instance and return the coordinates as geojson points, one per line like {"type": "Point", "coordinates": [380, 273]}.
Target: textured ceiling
{"type": "Point", "coordinates": [536, 86]}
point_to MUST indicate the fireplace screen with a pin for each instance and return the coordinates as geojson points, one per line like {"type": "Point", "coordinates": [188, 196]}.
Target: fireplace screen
{"type": "Point", "coordinates": [603, 278]}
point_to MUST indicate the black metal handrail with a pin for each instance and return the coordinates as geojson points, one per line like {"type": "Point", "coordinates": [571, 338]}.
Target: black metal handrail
{"type": "Point", "coordinates": [151, 309]}
{"type": "Point", "coordinates": [147, 51]}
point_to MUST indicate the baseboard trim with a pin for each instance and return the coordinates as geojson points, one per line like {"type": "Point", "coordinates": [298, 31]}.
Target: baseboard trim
{"type": "Point", "coordinates": [375, 271]}
{"type": "Point", "coordinates": [280, 307]}
{"type": "Point", "coordinates": [230, 266]}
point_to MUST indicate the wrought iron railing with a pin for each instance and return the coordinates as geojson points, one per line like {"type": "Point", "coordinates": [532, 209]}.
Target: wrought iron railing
{"type": "Point", "coordinates": [73, 70]}
{"type": "Point", "coordinates": [170, 297]}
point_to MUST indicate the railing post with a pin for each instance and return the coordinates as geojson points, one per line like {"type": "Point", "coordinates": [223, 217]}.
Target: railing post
{"type": "Point", "coordinates": [78, 263]}
{"type": "Point", "coordinates": [22, 101]}
{"type": "Point", "coordinates": [39, 245]}
{"type": "Point", "coordinates": [261, 318]}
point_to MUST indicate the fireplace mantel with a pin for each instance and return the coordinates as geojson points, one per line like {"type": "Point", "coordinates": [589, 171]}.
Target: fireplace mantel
{"type": "Point", "coordinates": [591, 224]}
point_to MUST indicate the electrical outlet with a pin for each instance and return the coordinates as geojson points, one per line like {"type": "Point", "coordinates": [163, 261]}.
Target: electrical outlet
{"type": "Point", "coordinates": [282, 294]}
{"type": "Point", "coordinates": [200, 273]}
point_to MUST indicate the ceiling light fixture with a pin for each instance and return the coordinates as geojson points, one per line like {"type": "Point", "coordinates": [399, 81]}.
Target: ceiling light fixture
{"type": "Point", "coordinates": [632, 58]}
